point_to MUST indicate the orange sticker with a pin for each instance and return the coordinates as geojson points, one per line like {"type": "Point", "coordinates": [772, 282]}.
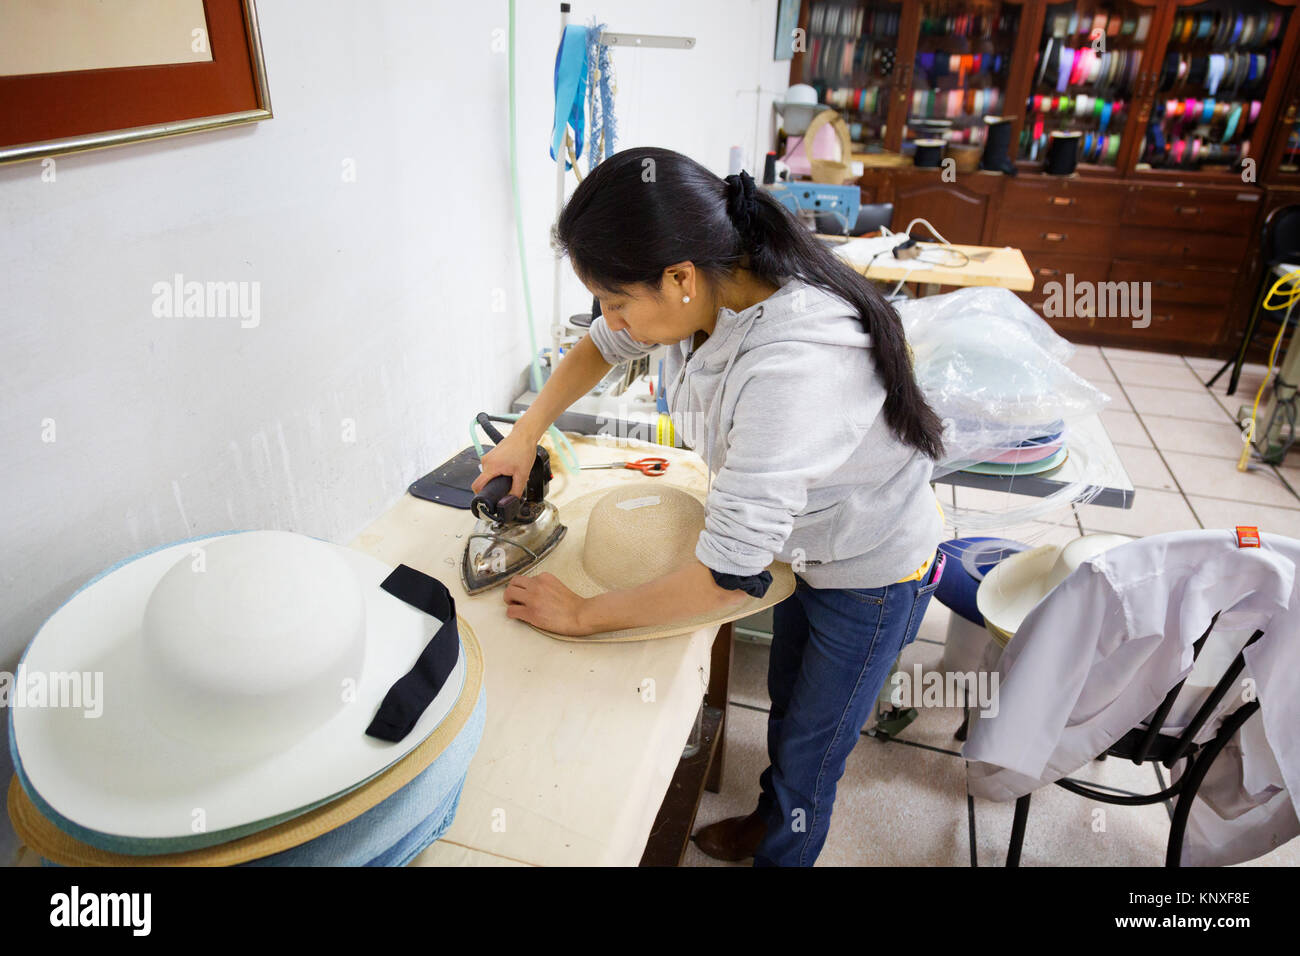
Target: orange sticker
{"type": "Point", "coordinates": [1247, 536]}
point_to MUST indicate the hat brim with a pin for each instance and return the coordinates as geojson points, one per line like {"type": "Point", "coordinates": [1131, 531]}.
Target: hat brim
{"type": "Point", "coordinates": [44, 837]}
{"type": "Point", "coordinates": [1017, 584]}
{"type": "Point", "coordinates": [119, 780]}
{"type": "Point", "coordinates": [565, 562]}
{"type": "Point", "coordinates": [1011, 589]}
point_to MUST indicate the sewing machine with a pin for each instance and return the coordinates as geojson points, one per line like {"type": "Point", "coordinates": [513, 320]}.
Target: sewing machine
{"type": "Point", "coordinates": [808, 200]}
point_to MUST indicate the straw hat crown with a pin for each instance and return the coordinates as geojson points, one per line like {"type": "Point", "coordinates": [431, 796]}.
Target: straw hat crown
{"type": "Point", "coordinates": [636, 534]}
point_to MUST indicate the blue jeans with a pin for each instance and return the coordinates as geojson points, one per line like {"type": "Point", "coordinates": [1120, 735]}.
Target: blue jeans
{"type": "Point", "coordinates": [831, 652]}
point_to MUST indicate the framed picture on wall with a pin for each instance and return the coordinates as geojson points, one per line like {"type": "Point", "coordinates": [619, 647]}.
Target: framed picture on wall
{"type": "Point", "coordinates": [787, 18]}
{"type": "Point", "coordinates": [83, 74]}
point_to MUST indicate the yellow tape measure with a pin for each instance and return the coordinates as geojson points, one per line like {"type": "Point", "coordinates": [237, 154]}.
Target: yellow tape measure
{"type": "Point", "coordinates": [664, 434]}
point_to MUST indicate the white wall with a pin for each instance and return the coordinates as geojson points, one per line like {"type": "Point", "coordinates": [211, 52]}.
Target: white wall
{"type": "Point", "coordinates": [375, 295]}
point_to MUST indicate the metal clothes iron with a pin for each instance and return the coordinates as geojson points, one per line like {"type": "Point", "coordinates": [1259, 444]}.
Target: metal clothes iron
{"type": "Point", "coordinates": [513, 534]}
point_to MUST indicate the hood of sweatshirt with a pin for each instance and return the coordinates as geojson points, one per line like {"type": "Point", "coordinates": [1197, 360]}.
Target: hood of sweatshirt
{"type": "Point", "coordinates": [797, 311]}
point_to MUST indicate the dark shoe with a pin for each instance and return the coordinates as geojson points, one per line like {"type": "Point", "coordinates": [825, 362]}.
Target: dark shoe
{"type": "Point", "coordinates": [733, 839]}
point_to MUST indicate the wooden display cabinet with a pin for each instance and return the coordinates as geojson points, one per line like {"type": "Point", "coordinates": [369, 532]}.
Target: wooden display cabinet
{"type": "Point", "coordinates": [1187, 113]}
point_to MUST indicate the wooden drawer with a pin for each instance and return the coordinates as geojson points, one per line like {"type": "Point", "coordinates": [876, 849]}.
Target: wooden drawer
{"type": "Point", "coordinates": [1065, 324]}
{"type": "Point", "coordinates": [1171, 285]}
{"type": "Point", "coordinates": [1057, 236]}
{"type": "Point", "coordinates": [1071, 201]}
{"type": "Point", "coordinates": [1193, 209]}
{"type": "Point", "coordinates": [1054, 267]}
{"type": "Point", "coordinates": [1177, 246]}
{"type": "Point", "coordinates": [1186, 323]}
{"type": "Point", "coordinates": [1174, 324]}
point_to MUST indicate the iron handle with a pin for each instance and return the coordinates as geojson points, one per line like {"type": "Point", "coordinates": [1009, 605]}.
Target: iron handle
{"type": "Point", "coordinates": [487, 504]}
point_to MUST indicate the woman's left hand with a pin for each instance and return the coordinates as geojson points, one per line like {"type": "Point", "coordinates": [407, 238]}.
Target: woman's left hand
{"type": "Point", "coordinates": [542, 600]}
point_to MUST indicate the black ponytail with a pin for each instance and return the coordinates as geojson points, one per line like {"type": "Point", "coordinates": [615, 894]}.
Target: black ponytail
{"type": "Point", "coordinates": [619, 230]}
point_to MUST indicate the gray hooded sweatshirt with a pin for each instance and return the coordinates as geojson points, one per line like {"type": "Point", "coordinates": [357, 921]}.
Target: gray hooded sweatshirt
{"type": "Point", "coordinates": [784, 403]}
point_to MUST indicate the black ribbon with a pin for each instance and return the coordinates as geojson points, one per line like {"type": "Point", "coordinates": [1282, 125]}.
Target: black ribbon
{"type": "Point", "coordinates": [407, 700]}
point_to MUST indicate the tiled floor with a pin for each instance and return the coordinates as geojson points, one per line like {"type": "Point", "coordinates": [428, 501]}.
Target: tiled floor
{"type": "Point", "coordinates": [904, 803]}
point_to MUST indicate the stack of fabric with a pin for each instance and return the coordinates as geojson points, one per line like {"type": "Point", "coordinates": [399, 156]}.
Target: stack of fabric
{"type": "Point", "coordinates": [249, 698]}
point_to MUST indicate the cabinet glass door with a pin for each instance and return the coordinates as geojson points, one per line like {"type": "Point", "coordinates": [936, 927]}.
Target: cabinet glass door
{"type": "Point", "coordinates": [1284, 164]}
{"type": "Point", "coordinates": [1221, 57]}
{"type": "Point", "coordinates": [851, 59]}
{"type": "Point", "coordinates": [963, 59]}
{"type": "Point", "coordinates": [1084, 78]}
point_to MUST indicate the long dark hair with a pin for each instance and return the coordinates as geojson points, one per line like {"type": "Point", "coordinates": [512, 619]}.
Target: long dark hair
{"type": "Point", "coordinates": [619, 233]}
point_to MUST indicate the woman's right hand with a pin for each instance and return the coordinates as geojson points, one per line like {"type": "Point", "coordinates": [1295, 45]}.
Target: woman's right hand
{"type": "Point", "coordinates": [513, 456]}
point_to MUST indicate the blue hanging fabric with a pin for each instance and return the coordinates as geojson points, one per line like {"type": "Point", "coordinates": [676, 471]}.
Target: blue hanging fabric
{"type": "Point", "coordinates": [601, 119]}
{"type": "Point", "coordinates": [570, 91]}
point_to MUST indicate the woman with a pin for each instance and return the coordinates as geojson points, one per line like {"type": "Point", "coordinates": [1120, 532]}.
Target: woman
{"type": "Point", "coordinates": [791, 377]}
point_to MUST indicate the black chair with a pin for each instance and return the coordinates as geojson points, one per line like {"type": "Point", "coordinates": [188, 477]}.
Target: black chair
{"type": "Point", "coordinates": [1148, 744]}
{"type": "Point", "coordinates": [1279, 244]}
{"type": "Point", "coordinates": [870, 218]}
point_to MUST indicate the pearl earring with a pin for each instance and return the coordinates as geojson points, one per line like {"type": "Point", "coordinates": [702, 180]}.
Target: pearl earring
{"type": "Point", "coordinates": [686, 298]}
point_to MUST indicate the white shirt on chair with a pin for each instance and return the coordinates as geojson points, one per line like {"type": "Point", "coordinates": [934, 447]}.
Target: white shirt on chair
{"type": "Point", "coordinates": [1097, 656]}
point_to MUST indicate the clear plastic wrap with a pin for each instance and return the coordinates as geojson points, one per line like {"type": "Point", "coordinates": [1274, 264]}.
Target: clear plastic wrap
{"type": "Point", "coordinates": [995, 372]}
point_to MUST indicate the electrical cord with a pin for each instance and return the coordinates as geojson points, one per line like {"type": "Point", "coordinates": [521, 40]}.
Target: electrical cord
{"type": "Point", "coordinates": [562, 444]}
{"type": "Point", "coordinates": [958, 260]}
{"type": "Point", "coordinates": [1287, 303]}
{"type": "Point", "coordinates": [948, 246]}
{"type": "Point", "coordinates": [965, 259]}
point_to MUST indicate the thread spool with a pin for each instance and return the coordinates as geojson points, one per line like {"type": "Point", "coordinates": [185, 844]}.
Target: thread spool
{"type": "Point", "coordinates": [929, 153]}
{"type": "Point", "coordinates": [1062, 153]}
{"type": "Point", "coordinates": [769, 168]}
{"type": "Point", "coordinates": [997, 145]}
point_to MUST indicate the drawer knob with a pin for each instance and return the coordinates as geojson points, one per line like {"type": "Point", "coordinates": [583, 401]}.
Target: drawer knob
{"type": "Point", "coordinates": [1187, 210]}
{"type": "Point", "coordinates": [1054, 236]}
{"type": "Point", "coordinates": [1060, 201]}
{"type": "Point", "coordinates": [1049, 272]}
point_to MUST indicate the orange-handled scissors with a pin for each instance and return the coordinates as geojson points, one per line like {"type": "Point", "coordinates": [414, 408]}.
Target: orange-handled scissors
{"type": "Point", "coordinates": [654, 467]}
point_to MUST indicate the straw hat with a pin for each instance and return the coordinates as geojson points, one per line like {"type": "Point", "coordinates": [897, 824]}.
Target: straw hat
{"type": "Point", "coordinates": [240, 673]}
{"type": "Point", "coordinates": [636, 533]}
{"type": "Point", "coordinates": [1011, 589]}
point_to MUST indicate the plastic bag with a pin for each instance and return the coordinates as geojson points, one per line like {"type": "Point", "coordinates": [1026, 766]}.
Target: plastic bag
{"type": "Point", "coordinates": [995, 372]}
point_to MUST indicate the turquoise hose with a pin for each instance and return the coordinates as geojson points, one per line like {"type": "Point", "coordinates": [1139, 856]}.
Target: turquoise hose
{"type": "Point", "coordinates": [519, 216]}
{"type": "Point", "coordinates": [562, 443]}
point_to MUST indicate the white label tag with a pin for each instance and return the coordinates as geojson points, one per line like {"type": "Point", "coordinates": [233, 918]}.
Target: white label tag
{"type": "Point", "coordinates": [638, 502]}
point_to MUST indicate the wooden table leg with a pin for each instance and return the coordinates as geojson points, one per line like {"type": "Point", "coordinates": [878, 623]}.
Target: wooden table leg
{"type": "Point", "coordinates": [671, 832]}
{"type": "Point", "coordinates": [718, 695]}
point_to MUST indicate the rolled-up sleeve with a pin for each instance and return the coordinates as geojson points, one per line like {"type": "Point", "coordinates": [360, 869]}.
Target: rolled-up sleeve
{"type": "Point", "coordinates": [788, 432]}
{"type": "Point", "coordinates": [616, 347]}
